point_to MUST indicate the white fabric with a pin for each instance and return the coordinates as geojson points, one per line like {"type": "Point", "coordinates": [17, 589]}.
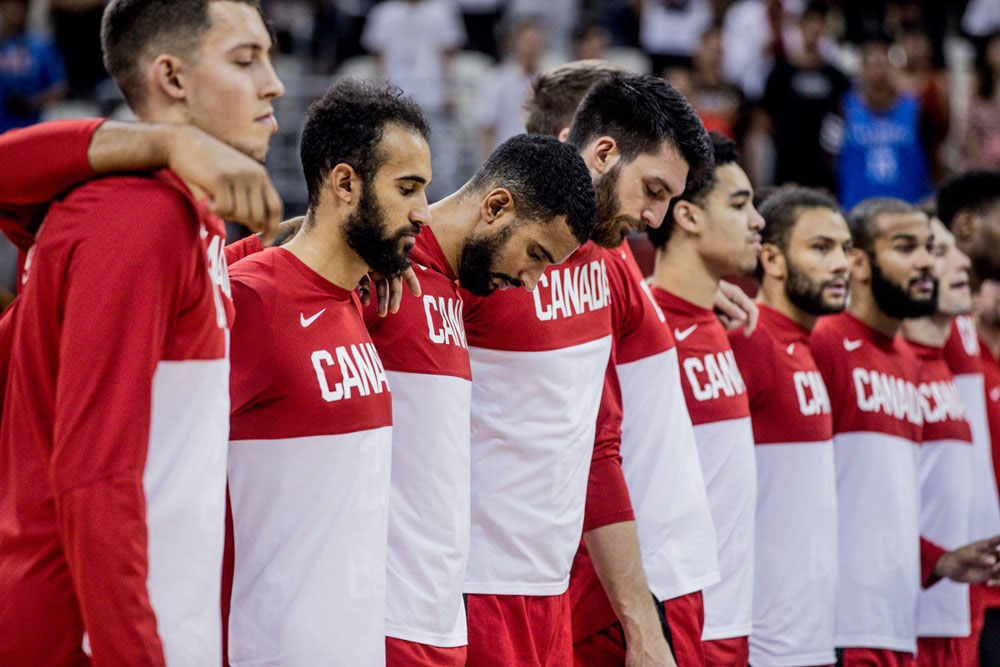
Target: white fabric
{"type": "Point", "coordinates": [327, 588]}
{"type": "Point", "coordinates": [532, 437]}
{"type": "Point", "coordinates": [794, 599]}
{"type": "Point", "coordinates": [878, 533]}
{"type": "Point", "coordinates": [725, 449]}
{"type": "Point", "coordinates": [501, 102]}
{"type": "Point", "coordinates": [985, 518]}
{"type": "Point", "coordinates": [184, 484]}
{"type": "Point", "coordinates": [945, 493]}
{"type": "Point", "coordinates": [661, 467]}
{"type": "Point", "coordinates": [663, 30]}
{"type": "Point", "coordinates": [428, 508]}
{"type": "Point", "coordinates": [413, 38]}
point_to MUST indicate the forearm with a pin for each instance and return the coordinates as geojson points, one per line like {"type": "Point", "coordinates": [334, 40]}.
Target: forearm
{"type": "Point", "coordinates": [614, 551]}
{"type": "Point", "coordinates": [117, 147]}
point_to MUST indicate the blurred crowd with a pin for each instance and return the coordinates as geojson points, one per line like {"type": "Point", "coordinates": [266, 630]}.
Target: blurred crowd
{"type": "Point", "coordinates": [863, 98]}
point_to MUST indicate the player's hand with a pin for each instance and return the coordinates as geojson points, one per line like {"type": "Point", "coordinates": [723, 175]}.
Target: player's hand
{"type": "Point", "coordinates": [388, 291]}
{"type": "Point", "coordinates": [734, 308]}
{"type": "Point", "coordinates": [239, 188]}
{"type": "Point", "coordinates": [648, 648]}
{"type": "Point", "coordinates": [972, 564]}
{"type": "Point", "coordinates": [286, 230]}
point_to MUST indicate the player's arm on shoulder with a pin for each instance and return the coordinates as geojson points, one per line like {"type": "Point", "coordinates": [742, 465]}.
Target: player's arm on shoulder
{"type": "Point", "coordinates": [117, 305]}
{"type": "Point", "coordinates": [734, 308]}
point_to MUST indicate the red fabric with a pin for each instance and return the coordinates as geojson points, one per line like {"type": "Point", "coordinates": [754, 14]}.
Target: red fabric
{"type": "Point", "coordinates": [938, 652]}
{"type": "Point", "coordinates": [523, 630]}
{"type": "Point", "coordinates": [980, 598]}
{"type": "Point", "coordinates": [237, 250]}
{"type": "Point", "coordinates": [76, 508]}
{"type": "Point", "coordinates": [601, 649]}
{"type": "Point", "coordinates": [607, 494]}
{"type": "Point", "coordinates": [930, 554]}
{"type": "Point", "coordinates": [876, 657]}
{"type": "Point", "coordinates": [38, 163]}
{"type": "Point", "coordinates": [686, 618]}
{"type": "Point", "coordinates": [401, 653]}
{"type": "Point", "coordinates": [732, 652]}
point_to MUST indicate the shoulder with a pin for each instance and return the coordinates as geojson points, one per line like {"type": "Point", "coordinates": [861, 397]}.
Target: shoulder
{"type": "Point", "coordinates": [754, 349]}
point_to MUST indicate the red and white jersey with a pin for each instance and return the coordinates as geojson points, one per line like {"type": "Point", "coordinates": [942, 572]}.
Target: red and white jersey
{"type": "Point", "coordinates": [795, 579]}
{"type": "Point", "coordinates": [946, 463]}
{"type": "Point", "coordinates": [991, 373]}
{"type": "Point", "coordinates": [877, 419]}
{"type": "Point", "coordinates": [720, 411]}
{"type": "Point", "coordinates": [309, 463]}
{"type": "Point", "coordinates": [425, 354]}
{"type": "Point", "coordinates": [963, 356]}
{"type": "Point", "coordinates": [120, 389]}
{"type": "Point", "coordinates": [659, 457]}
{"type": "Point", "coordinates": [538, 362]}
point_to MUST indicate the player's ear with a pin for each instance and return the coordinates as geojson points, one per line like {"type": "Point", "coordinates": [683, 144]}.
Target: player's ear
{"type": "Point", "coordinates": [563, 134]}
{"type": "Point", "coordinates": [965, 225]}
{"type": "Point", "coordinates": [497, 204]}
{"type": "Point", "coordinates": [603, 154]}
{"type": "Point", "coordinates": [344, 183]}
{"type": "Point", "coordinates": [167, 73]}
{"type": "Point", "coordinates": [772, 261]}
{"type": "Point", "coordinates": [860, 265]}
{"type": "Point", "coordinates": [687, 216]}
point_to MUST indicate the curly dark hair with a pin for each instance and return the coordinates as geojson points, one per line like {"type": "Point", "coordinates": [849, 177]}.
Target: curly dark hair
{"type": "Point", "coordinates": [723, 151]}
{"type": "Point", "coordinates": [346, 126]}
{"type": "Point", "coordinates": [132, 29]}
{"type": "Point", "coordinates": [640, 112]}
{"type": "Point", "coordinates": [545, 177]}
{"type": "Point", "coordinates": [977, 190]}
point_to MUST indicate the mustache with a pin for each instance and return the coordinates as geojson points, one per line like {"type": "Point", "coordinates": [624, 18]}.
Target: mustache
{"type": "Point", "coordinates": [924, 275]}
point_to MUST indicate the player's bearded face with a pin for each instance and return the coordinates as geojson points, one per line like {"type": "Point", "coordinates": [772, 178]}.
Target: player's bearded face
{"type": "Point", "coordinates": [814, 296]}
{"type": "Point", "coordinates": [612, 225]}
{"type": "Point", "coordinates": [368, 234]}
{"type": "Point", "coordinates": [902, 299]}
{"type": "Point", "coordinates": [477, 266]}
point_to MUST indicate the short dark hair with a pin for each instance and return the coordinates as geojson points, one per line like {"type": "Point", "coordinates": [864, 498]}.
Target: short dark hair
{"type": "Point", "coordinates": [781, 208]}
{"type": "Point", "coordinates": [640, 112]}
{"type": "Point", "coordinates": [546, 178]}
{"type": "Point", "coordinates": [347, 124]}
{"type": "Point", "coordinates": [723, 152]}
{"type": "Point", "coordinates": [862, 219]}
{"type": "Point", "coordinates": [556, 95]}
{"type": "Point", "coordinates": [130, 29]}
{"type": "Point", "coordinates": [975, 191]}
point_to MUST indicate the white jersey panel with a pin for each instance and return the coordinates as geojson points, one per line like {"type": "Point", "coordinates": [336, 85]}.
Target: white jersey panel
{"type": "Point", "coordinates": [878, 531]}
{"type": "Point", "coordinates": [794, 597]}
{"type": "Point", "coordinates": [946, 491]}
{"type": "Point", "coordinates": [532, 442]}
{"type": "Point", "coordinates": [985, 518]}
{"type": "Point", "coordinates": [325, 588]}
{"type": "Point", "coordinates": [184, 485]}
{"type": "Point", "coordinates": [661, 467]}
{"type": "Point", "coordinates": [428, 508]}
{"type": "Point", "coordinates": [725, 449]}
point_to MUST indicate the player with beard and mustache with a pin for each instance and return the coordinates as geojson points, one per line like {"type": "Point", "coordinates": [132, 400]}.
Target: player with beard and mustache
{"type": "Point", "coordinates": [803, 274]}
{"type": "Point", "coordinates": [878, 420]}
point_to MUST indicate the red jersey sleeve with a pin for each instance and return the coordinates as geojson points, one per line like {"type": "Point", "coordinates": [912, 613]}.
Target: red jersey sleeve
{"type": "Point", "coordinates": [251, 342]}
{"type": "Point", "coordinates": [108, 356]}
{"type": "Point", "coordinates": [246, 246]}
{"type": "Point", "coordinates": [930, 554]}
{"type": "Point", "coordinates": [608, 501]}
{"type": "Point", "coordinates": [38, 163]}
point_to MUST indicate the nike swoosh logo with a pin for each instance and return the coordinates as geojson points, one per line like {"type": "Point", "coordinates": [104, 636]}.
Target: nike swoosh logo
{"type": "Point", "coordinates": [995, 394]}
{"type": "Point", "coordinates": [681, 335]}
{"type": "Point", "coordinates": [790, 348]}
{"type": "Point", "coordinates": [851, 345]}
{"type": "Point", "coordinates": [306, 321]}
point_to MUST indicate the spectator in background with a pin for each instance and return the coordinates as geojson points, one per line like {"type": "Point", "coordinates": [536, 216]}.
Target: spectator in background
{"type": "Point", "coordinates": [503, 93]}
{"type": "Point", "coordinates": [414, 42]}
{"type": "Point", "coordinates": [926, 80]}
{"type": "Point", "coordinates": [669, 30]}
{"type": "Point", "coordinates": [752, 31]}
{"type": "Point", "coordinates": [481, 18]}
{"type": "Point", "coordinates": [981, 145]}
{"type": "Point", "coordinates": [721, 105]}
{"type": "Point", "coordinates": [801, 107]}
{"type": "Point", "coordinates": [591, 40]}
{"type": "Point", "coordinates": [32, 74]}
{"type": "Point", "coordinates": [77, 25]}
{"type": "Point", "coordinates": [882, 153]}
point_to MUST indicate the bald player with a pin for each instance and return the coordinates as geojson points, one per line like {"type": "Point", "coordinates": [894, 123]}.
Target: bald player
{"type": "Point", "coordinates": [803, 272]}
{"type": "Point", "coordinates": [713, 230]}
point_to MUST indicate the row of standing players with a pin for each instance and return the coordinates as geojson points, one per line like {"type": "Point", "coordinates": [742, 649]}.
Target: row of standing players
{"type": "Point", "coordinates": [534, 391]}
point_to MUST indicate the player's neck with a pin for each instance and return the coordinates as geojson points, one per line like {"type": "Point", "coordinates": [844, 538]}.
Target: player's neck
{"type": "Point", "coordinates": [990, 336]}
{"type": "Point", "coordinates": [864, 308]}
{"type": "Point", "coordinates": [772, 294]}
{"type": "Point", "coordinates": [322, 247]}
{"type": "Point", "coordinates": [682, 272]}
{"type": "Point", "coordinates": [932, 331]}
{"type": "Point", "coordinates": [453, 219]}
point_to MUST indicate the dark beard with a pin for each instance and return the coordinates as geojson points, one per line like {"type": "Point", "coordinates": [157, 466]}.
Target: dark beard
{"type": "Point", "coordinates": [475, 266]}
{"type": "Point", "coordinates": [608, 230]}
{"type": "Point", "coordinates": [806, 295]}
{"type": "Point", "coordinates": [895, 301]}
{"type": "Point", "coordinates": [368, 235]}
